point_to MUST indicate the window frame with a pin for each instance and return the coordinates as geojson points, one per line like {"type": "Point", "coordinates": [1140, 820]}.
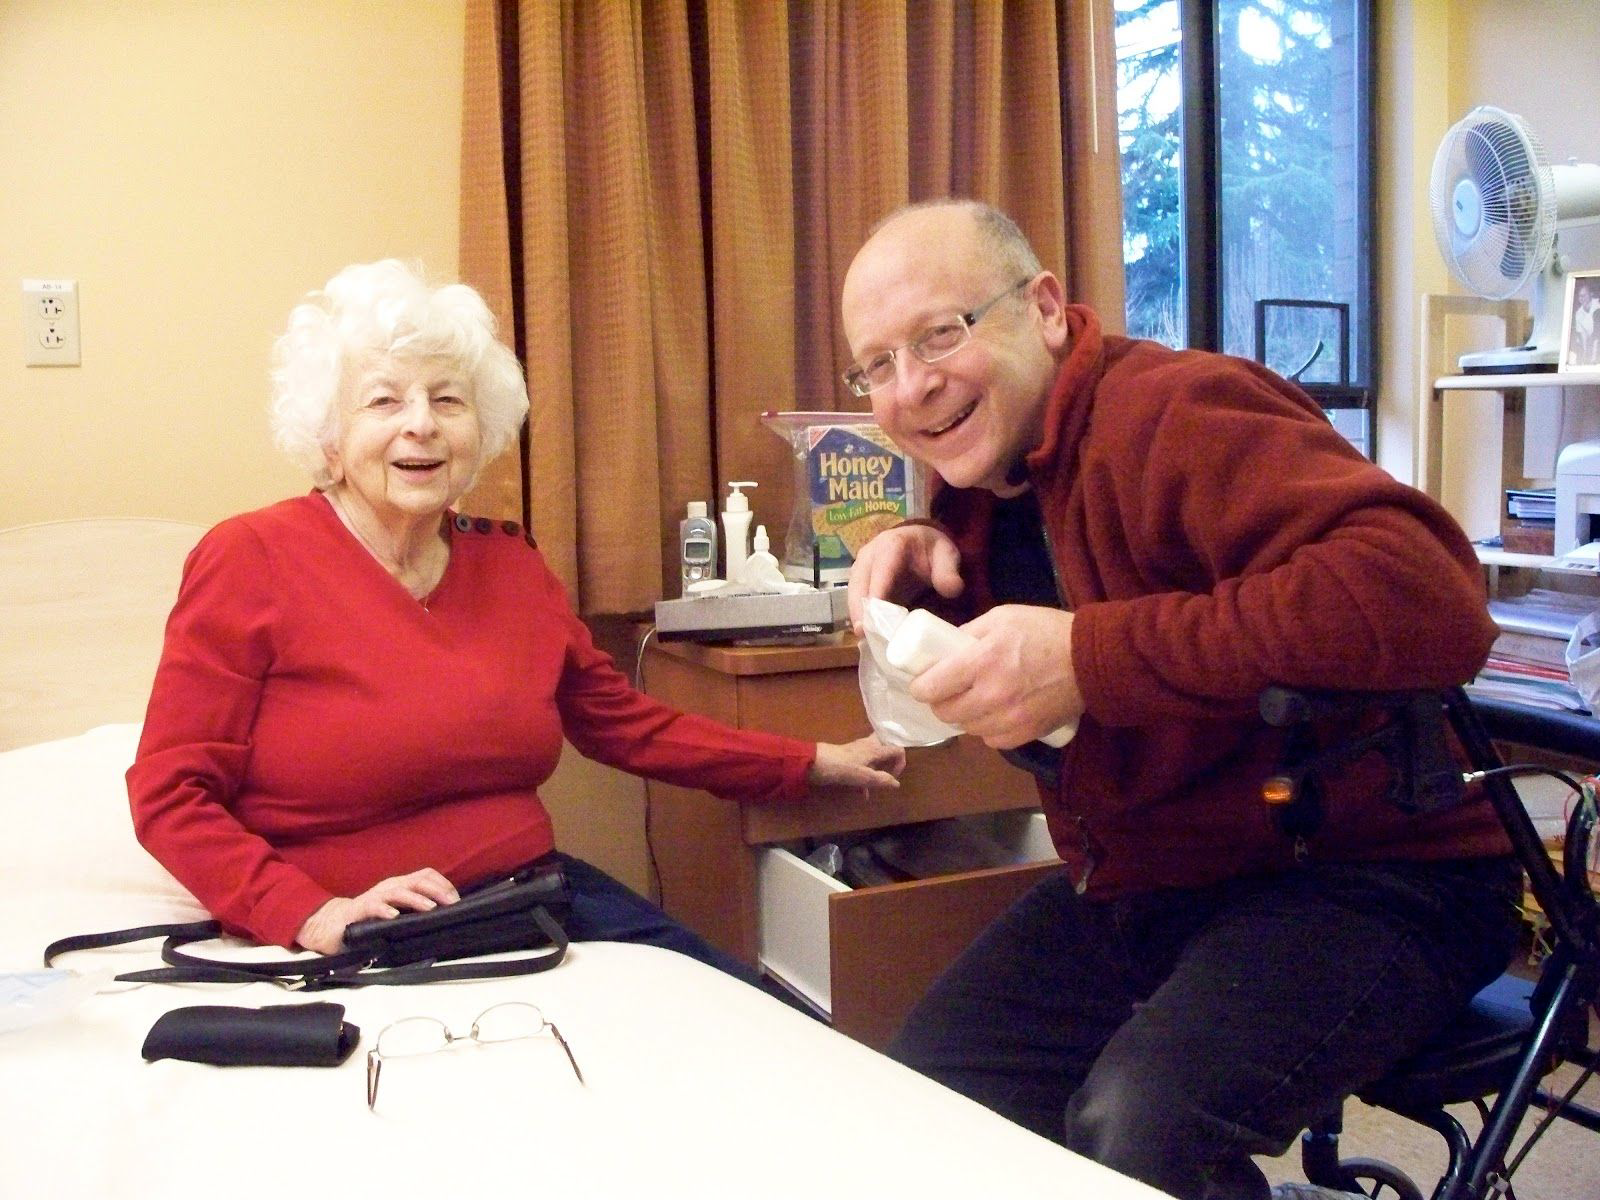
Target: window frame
{"type": "Point", "coordinates": [1202, 199]}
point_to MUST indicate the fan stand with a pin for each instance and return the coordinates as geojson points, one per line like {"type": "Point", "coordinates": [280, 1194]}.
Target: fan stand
{"type": "Point", "coordinates": [1542, 352]}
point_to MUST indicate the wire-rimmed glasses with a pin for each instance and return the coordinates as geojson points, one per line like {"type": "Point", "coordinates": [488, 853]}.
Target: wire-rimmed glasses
{"type": "Point", "coordinates": [509, 1021]}
{"type": "Point", "coordinates": [939, 340]}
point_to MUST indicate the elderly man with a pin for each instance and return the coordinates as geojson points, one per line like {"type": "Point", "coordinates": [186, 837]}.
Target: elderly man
{"type": "Point", "coordinates": [1143, 538]}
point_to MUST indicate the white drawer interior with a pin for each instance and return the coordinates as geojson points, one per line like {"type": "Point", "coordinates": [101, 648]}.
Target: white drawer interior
{"type": "Point", "coordinates": [793, 894]}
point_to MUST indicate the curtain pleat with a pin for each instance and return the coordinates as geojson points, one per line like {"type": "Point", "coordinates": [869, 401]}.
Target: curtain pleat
{"type": "Point", "coordinates": [486, 228]}
{"type": "Point", "coordinates": [752, 245]}
{"type": "Point", "coordinates": [865, 134]}
{"type": "Point", "coordinates": [696, 176]}
{"type": "Point", "coordinates": [547, 288]}
{"type": "Point", "coordinates": [932, 42]}
{"type": "Point", "coordinates": [1093, 167]}
{"type": "Point", "coordinates": [677, 301]}
{"type": "Point", "coordinates": [615, 392]}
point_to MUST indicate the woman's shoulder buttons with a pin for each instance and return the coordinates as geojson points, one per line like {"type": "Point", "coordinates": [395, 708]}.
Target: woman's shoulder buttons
{"type": "Point", "coordinates": [463, 523]}
{"type": "Point", "coordinates": [485, 525]}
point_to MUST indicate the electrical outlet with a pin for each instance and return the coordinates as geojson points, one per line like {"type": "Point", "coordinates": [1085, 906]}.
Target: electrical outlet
{"type": "Point", "coordinates": [50, 323]}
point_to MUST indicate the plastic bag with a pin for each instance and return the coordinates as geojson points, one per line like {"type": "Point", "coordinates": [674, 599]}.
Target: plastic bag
{"type": "Point", "coordinates": [33, 997]}
{"type": "Point", "coordinates": [1583, 660]}
{"type": "Point", "coordinates": [850, 482]}
{"type": "Point", "coordinates": [896, 718]}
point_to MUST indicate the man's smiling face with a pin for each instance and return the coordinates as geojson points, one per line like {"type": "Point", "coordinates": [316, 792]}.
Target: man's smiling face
{"type": "Point", "coordinates": [971, 415]}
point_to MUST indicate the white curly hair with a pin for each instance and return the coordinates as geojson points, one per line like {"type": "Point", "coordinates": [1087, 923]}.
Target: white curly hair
{"type": "Point", "coordinates": [387, 307]}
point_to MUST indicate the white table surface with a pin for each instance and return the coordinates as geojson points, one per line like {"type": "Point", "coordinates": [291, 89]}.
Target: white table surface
{"type": "Point", "coordinates": [697, 1085]}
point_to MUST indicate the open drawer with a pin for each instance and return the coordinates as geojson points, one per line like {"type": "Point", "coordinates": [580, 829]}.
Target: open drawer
{"type": "Point", "coordinates": [864, 956]}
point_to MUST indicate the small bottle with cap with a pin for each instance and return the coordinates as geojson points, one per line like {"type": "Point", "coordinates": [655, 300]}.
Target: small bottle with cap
{"type": "Point", "coordinates": [761, 566]}
{"type": "Point", "coordinates": [736, 531]}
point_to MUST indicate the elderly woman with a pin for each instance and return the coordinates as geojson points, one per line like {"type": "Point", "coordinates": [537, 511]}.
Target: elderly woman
{"type": "Point", "coordinates": [361, 691]}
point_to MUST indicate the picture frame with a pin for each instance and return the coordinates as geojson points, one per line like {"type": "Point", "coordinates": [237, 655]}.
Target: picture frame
{"type": "Point", "coordinates": [1580, 323]}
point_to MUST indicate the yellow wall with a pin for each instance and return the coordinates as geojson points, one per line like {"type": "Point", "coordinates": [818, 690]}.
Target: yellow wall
{"type": "Point", "coordinates": [1437, 59]}
{"type": "Point", "coordinates": [197, 165]}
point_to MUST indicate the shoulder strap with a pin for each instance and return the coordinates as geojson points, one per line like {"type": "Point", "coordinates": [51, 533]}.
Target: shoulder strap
{"type": "Point", "coordinates": [350, 969]}
{"type": "Point", "coordinates": [189, 931]}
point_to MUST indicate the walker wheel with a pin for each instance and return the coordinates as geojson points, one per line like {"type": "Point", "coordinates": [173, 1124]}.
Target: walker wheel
{"type": "Point", "coordinates": [1376, 1178]}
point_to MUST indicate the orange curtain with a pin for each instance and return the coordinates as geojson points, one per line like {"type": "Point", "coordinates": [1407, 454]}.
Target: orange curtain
{"type": "Point", "coordinates": [661, 198]}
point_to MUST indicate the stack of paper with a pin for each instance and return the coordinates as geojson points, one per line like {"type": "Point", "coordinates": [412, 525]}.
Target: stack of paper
{"type": "Point", "coordinates": [1531, 504]}
{"type": "Point", "coordinates": [1528, 660]}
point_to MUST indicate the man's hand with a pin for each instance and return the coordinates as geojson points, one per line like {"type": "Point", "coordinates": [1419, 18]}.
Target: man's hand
{"type": "Point", "coordinates": [1015, 685]}
{"type": "Point", "coordinates": [419, 891]}
{"type": "Point", "coordinates": [865, 762]}
{"type": "Point", "coordinates": [899, 563]}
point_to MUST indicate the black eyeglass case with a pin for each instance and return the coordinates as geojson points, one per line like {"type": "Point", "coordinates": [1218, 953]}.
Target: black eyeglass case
{"type": "Point", "coordinates": [277, 1035]}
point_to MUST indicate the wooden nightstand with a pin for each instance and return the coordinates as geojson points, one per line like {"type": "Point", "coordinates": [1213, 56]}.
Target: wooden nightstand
{"type": "Point", "coordinates": [884, 944]}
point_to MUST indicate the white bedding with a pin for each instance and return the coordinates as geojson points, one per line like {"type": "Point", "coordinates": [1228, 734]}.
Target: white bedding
{"type": "Point", "coordinates": [696, 1085]}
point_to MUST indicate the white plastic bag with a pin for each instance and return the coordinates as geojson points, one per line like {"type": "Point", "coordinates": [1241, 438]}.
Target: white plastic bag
{"type": "Point", "coordinates": [896, 718]}
{"type": "Point", "coordinates": [1583, 660]}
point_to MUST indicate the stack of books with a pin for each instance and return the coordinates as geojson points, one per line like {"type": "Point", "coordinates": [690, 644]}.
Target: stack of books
{"type": "Point", "coordinates": [1530, 524]}
{"type": "Point", "coordinates": [1527, 662]}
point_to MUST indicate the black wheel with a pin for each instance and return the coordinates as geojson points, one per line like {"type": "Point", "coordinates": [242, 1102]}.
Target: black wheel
{"type": "Point", "coordinates": [1376, 1178]}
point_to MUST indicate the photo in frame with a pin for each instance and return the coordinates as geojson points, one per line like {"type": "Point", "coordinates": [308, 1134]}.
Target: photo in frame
{"type": "Point", "coordinates": [1580, 322]}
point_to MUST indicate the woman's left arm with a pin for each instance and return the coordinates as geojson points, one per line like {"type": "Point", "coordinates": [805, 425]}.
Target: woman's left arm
{"type": "Point", "coordinates": [610, 721]}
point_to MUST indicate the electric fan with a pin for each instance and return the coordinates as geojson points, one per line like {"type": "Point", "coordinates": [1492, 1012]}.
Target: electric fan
{"type": "Point", "coordinates": [1497, 203]}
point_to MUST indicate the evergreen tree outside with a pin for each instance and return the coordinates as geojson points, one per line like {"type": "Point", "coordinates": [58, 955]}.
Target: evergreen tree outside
{"type": "Point", "coordinates": [1285, 101]}
{"type": "Point", "coordinates": [1149, 113]}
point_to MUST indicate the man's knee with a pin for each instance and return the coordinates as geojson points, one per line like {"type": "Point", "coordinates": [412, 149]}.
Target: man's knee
{"type": "Point", "coordinates": [1117, 1121]}
{"type": "Point", "coordinates": [1136, 1124]}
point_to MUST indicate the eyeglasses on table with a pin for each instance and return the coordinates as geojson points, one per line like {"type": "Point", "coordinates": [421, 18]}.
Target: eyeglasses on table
{"type": "Point", "coordinates": [411, 1037]}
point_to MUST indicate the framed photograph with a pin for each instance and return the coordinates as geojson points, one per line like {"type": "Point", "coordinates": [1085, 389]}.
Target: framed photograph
{"type": "Point", "coordinates": [1580, 322]}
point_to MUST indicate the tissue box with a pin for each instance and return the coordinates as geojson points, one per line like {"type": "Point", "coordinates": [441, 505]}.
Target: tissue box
{"type": "Point", "coordinates": [755, 615]}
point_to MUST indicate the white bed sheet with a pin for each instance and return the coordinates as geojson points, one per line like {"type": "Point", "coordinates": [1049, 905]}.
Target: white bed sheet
{"type": "Point", "coordinates": [696, 1084]}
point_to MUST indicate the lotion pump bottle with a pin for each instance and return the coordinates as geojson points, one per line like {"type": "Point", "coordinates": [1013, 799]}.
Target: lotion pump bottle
{"type": "Point", "coordinates": [697, 545]}
{"type": "Point", "coordinates": [736, 531]}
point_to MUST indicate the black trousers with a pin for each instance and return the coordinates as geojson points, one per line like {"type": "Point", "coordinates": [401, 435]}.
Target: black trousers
{"type": "Point", "coordinates": [1174, 1034]}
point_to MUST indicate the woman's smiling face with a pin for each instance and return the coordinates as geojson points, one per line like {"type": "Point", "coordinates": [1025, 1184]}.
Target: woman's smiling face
{"type": "Point", "coordinates": [409, 443]}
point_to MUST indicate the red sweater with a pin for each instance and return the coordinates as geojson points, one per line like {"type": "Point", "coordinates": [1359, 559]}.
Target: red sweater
{"type": "Point", "coordinates": [1214, 534]}
{"type": "Point", "coordinates": [313, 728]}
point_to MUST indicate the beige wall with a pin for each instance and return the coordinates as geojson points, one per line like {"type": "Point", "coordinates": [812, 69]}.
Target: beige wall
{"type": "Point", "coordinates": [197, 165]}
{"type": "Point", "coordinates": [1437, 60]}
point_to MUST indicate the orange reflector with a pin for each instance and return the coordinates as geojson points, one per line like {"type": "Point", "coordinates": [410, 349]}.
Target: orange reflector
{"type": "Point", "coordinates": [1278, 790]}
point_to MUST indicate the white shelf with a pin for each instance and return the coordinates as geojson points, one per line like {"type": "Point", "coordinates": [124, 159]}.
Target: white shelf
{"type": "Point", "coordinates": [1527, 379]}
{"type": "Point", "coordinates": [1541, 562]}
{"type": "Point", "coordinates": [1505, 558]}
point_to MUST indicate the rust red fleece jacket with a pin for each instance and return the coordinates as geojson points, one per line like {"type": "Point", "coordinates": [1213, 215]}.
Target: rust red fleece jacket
{"type": "Point", "coordinates": [1214, 534]}
{"type": "Point", "coordinates": [314, 729]}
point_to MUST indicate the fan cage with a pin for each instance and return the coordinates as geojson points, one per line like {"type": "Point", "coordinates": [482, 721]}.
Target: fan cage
{"type": "Point", "coordinates": [1515, 234]}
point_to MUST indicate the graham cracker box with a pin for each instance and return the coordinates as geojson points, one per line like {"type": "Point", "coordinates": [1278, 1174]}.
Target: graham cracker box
{"type": "Point", "coordinates": [850, 482]}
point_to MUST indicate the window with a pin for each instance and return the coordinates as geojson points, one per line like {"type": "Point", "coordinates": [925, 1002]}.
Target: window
{"type": "Point", "coordinates": [1245, 135]}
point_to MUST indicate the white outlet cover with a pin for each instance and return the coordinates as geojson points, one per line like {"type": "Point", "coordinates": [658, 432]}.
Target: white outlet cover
{"type": "Point", "coordinates": [50, 323]}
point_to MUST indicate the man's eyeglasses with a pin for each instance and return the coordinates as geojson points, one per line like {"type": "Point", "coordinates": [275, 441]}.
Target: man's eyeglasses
{"type": "Point", "coordinates": [939, 340]}
{"type": "Point", "coordinates": [511, 1021]}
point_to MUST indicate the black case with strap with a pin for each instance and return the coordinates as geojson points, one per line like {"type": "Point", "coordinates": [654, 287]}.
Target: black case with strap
{"type": "Point", "coordinates": [522, 911]}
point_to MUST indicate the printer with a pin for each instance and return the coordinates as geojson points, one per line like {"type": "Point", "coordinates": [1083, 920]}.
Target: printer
{"type": "Point", "coordinates": [1577, 495]}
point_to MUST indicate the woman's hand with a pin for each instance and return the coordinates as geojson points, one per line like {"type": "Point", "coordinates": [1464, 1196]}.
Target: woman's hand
{"type": "Point", "coordinates": [419, 891]}
{"type": "Point", "coordinates": [865, 762]}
